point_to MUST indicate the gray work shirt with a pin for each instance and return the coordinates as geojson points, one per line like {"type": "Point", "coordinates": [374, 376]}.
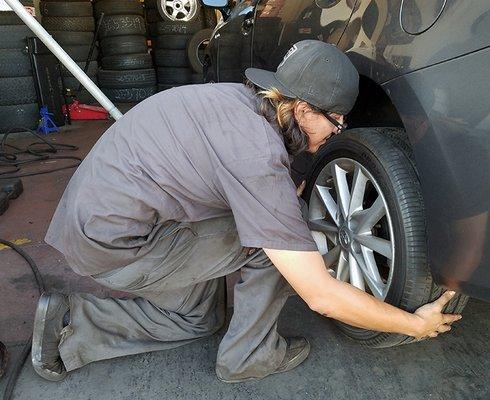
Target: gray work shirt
{"type": "Point", "coordinates": [186, 154]}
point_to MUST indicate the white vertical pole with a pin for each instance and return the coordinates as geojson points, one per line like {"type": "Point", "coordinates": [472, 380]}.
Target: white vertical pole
{"type": "Point", "coordinates": [66, 60]}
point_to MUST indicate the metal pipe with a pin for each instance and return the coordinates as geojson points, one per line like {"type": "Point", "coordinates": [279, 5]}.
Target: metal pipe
{"type": "Point", "coordinates": [65, 59]}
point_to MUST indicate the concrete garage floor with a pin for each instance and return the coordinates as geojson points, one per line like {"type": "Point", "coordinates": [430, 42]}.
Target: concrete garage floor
{"type": "Point", "coordinates": [453, 366]}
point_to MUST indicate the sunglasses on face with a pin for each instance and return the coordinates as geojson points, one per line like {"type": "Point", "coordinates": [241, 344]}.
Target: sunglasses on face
{"type": "Point", "coordinates": [340, 127]}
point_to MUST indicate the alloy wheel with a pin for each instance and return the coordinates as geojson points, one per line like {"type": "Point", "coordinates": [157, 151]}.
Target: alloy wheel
{"type": "Point", "coordinates": [178, 10]}
{"type": "Point", "coordinates": [351, 225]}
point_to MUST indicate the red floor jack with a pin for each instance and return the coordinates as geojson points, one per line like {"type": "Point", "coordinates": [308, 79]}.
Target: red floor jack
{"type": "Point", "coordinates": [78, 111]}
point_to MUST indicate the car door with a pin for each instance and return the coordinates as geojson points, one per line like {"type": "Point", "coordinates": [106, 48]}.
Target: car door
{"type": "Point", "coordinates": [279, 24]}
{"type": "Point", "coordinates": [234, 42]}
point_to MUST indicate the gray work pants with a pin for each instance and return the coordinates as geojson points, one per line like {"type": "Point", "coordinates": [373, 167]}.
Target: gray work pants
{"type": "Point", "coordinates": [177, 289]}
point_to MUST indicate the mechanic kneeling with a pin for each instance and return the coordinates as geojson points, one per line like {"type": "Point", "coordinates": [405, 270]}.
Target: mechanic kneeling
{"type": "Point", "coordinates": [193, 184]}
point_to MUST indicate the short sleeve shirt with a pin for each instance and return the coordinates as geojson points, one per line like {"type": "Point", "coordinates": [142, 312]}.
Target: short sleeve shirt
{"type": "Point", "coordinates": [186, 154]}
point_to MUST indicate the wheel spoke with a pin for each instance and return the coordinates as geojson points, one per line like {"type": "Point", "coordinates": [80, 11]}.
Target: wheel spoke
{"type": "Point", "coordinates": [381, 246]}
{"type": "Point", "coordinates": [321, 225]}
{"type": "Point", "coordinates": [370, 274]}
{"type": "Point", "coordinates": [355, 273]}
{"type": "Point", "coordinates": [170, 4]}
{"type": "Point", "coordinates": [342, 268]}
{"type": "Point", "coordinates": [175, 12]}
{"type": "Point", "coordinates": [342, 188]}
{"type": "Point", "coordinates": [369, 217]}
{"type": "Point", "coordinates": [358, 189]}
{"type": "Point", "coordinates": [323, 193]}
{"type": "Point", "coordinates": [325, 227]}
{"type": "Point", "coordinates": [332, 256]}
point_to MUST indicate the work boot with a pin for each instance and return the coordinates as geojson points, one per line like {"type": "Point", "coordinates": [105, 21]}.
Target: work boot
{"type": "Point", "coordinates": [297, 350]}
{"type": "Point", "coordinates": [51, 316]}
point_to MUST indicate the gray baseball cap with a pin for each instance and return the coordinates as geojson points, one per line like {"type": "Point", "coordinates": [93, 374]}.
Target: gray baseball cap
{"type": "Point", "coordinates": [316, 72]}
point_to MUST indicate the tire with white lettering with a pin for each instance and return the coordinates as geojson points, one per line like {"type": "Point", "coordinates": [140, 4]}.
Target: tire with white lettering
{"type": "Point", "coordinates": [122, 25]}
{"type": "Point", "coordinates": [127, 61]}
{"type": "Point", "coordinates": [176, 27]}
{"type": "Point", "coordinates": [129, 95]}
{"type": "Point", "coordinates": [367, 216]}
{"type": "Point", "coordinates": [127, 79]}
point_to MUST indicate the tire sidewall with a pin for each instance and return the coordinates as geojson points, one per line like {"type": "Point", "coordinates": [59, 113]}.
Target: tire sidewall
{"type": "Point", "coordinates": [369, 148]}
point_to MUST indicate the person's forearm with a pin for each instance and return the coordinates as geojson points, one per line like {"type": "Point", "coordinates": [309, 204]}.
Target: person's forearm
{"type": "Point", "coordinates": [348, 304]}
{"type": "Point", "coordinates": [306, 272]}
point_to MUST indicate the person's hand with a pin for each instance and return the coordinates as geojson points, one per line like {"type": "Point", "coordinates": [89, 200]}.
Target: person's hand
{"type": "Point", "coordinates": [431, 319]}
{"type": "Point", "coordinates": [300, 188]}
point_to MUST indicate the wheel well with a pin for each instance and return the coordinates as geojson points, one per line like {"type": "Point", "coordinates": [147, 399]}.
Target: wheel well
{"type": "Point", "coordinates": [373, 107]}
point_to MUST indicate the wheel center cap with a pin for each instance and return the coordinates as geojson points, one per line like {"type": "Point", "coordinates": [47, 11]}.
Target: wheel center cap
{"type": "Point", "coordinates": [344, 237]}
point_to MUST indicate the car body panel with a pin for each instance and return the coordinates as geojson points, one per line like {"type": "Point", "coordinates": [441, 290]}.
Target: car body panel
{"type": "Point", "coordinates": [450, 136]}
{"type": "Point", "coordinates": [431, 59]}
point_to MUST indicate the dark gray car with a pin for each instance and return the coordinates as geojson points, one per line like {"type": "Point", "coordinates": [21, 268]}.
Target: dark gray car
{"type": "Point", "coordinates": [398, 205]}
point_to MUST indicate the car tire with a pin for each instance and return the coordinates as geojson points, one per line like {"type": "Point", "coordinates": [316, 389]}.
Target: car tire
{"type": "Point", "coordinates": [75, 24]}
{"type": "Point", "coordinates": [72, 38]}
{"type": "Point", "coordinates": [172, 42]}
{"type": "Point", "coordinates": [129, 95]}
{"type": "Point", "coordinates": [19, 117]}
{"type": "Point", "coordinates": [14, 62]}
{"type": "Point", "coordinates": [393, 189]}
{"type": "Point", "coordinates": [176, 27]}
{"type": "Point", "coordinates": [14, 36]}
{"type": "Point", "coordinates": [174, 76]}
{"type": "Point", "coordinates": [179, 14]}
{"type": "Point", "coordinates": [171, 58]}
{"type": "Point", "coordinates": [127, 61]}
{"type": "Point", "coordinates": [152, 16]}
{"type": "Point", "coordinates": [117, 45]}
{"type": "Point", "coordinates": [80, 53]}
{"type": "Point", "coordinates": [91, 71]}
{"type": "Point", "coordinates": [127, 79]}
{"type": "Point", "coordinates": [10, 18]}
{"type": "Point", "coordinates": [197, 78]}
{"type": "Point", "coordinates": [17, 90]}
{"type": "Point", "coordinates": [210, 19]}
{"type": "Point", "coordinates": [66, 9]}
{"type": "Point", "coordinates": [73, 83]}
{"type": "Point", "coordinates": [122, 25]}
{"type": "Point", "coordinates": [162, 86]}
{"type": "Point", "coordinates": [117, 7]}
{"type": "Point", "coordinates": [231, 75]}
{"type": "Point", "coordinates": [194, 49]}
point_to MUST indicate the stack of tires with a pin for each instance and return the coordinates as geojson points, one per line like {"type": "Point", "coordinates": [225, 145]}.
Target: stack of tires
{"type": "Point", "coordinates": [72, 25]}
{"type": "Point", "coordinates": [172, 26]}
{"type": "Point", "coordinates": [18, 100]}
{"type": "Point", "coordinates": [127, 74]}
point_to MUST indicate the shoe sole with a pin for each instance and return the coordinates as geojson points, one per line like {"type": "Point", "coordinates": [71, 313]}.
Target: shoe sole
{"type": "Point", "coordinates": [37, 339]}
{"type": "Point", "coordinates": [302, 355]}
